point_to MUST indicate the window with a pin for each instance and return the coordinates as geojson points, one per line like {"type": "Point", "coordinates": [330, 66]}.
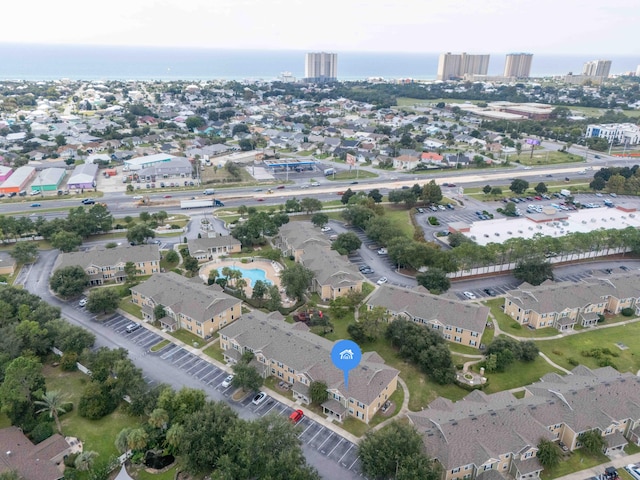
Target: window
{"type": "Point", "coordinates": [455, 470]}
{"type": "Point", "coordinates": [448, 328]}
{"type": "Point", "coordinates": [458, 339]}
{"type": "Point", "coordinates": [458, 330]}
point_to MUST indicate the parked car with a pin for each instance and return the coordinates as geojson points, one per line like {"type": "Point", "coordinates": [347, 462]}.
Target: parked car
{"type": "Point", "coordinates": [132, 327]}
{"type": "Point", "coordinates": [296, 416]}
{"type": "Point", "coordinates": [315, 184]}
{"type": "Point", "coordinates": [489, 291]}
{"type": "Point", "coordinates": [419, 210]}
{"type": "Point", "coordinates": [382, 280]}
{"type": "Point", "coordinates": [450, 206]}
{"type": "Point", "coordinates": [227, 381]}
{"type": "Point", "coordinates": [82, 302]}
{"type": "Point", "coordinates": [363, 267]}
{"type": "Point", "coordinates": [382, 251]}
{"type": "Point", "coordinates": [259, 398]}
{"type": "Point", "coordinates": [367, 271]}
{"type": "Point", "coordinates": [469, 295]}
{"type": "Point", "coordinates": [138, 197]}
{"type": "Point", "coordinates": [325, 229]}
{"type": "Point", "coordinates": [624, 268]}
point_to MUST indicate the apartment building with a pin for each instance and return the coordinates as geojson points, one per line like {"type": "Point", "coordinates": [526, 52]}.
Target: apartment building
{"type": "Point", "coordinates": [457, 65]}
{"type": "Point", "coordinates": [597, 68]}
{"type": "Point", "coordinates": [291, 353]}
{"type": "Point", "coordinates": [458, 322]}
{"type": "Point", "coordinates": [624, 133]}
{"type": "Point", "coordinates": [321, 67]}
{"type": "Point", "coordinates": [334, 275]}
{"type": "Point", "coordinates": [105, 265]}
{"type": "Point", "coordinates": [188, 303]}
{"type": "Point", "coordinates": [484, 434]}
{"type": "Point", "coordinates": [518, 65]}
{"type": "Point", "coordinates": [563, 305]}
{"type": "Point", "coordinates": [209, 248]}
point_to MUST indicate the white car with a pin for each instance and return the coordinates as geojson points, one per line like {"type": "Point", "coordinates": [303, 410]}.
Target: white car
{"type": "Point", "coordinates": [304, 185]}
{"type": "Point", "coordinates": [137, 197]}
{"type": "Point", "coordinates": [469, 295]}
{"type": "Point", "coordinates": [382, 251]}
{"type": "Point", "coordinates": [325, 229]}
{"type": "Point", "coordinates": [227, 381]}
{"type": "Point", "coordinates": [382, 281]}
{"type": "Point", "coordinates": [82, 302]}
{"type": "Point", "coordinates": [315, 184]}
{"type": "Point", "coordinates": [259, 398]}
{"type": "Point", "coordinates": [527, 168]}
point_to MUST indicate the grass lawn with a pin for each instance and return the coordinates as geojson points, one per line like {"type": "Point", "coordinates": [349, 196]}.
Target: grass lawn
{"type": "Point", "coordinates": [517, 375]}
{"type": "Point", "coordinates": [131, 308]}
{"type": "Point", "coordinates": [355, 427]}
{"type": "Point", "coordinates": [367, 288]}
{"type": "Point", "coordinates": [339, 328]}
{"type": "Point", "coordinates": [565, 351]}
{"type": "Point", "coordinates": [410, 102]}
{"type": "Point", "coordinates": [487, 336]}
{"type": "Point", "coordinates": [4, 421]}
{"type": "Point", "coordinates": [508, 325]}
{"type": "Point", "coordinates": [140, 473]}
{"type": "Point", "coordinates": [547, 157]}
{"type": "Point", "coordinates": [400, 218]}
{"type": "Point", "coordinates": [168, 265]}
{"type": "Point", "coordinates": [215, 352]}
{"type": "Point", "coordinates": [188, 337]}
{"type": "Point", "coordinates": [354, 174]}
{"type": "Point", "coordinates": [97, 435]}
{"type": "Point", "coordinates": [574, 462]}
{"type": "Point", "coordinates": [457, 348]}
{"type": "Point", "coordinates": [160, 345]}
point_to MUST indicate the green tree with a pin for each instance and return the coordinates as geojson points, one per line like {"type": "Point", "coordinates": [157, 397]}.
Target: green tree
{"type": "Point", "coordinates": [375, 195]}
{"type": "Point", "coordinates": [435, 280]}
{"type": "Point", "coordinates": [23, 384]}
{"type": "Point", "coordinates": [346, 243]}
{"type": "Point", "coordinates": [85, 461]}
{"type": "Point", "coordinates": [385, 452]}
{"type": "Point", "coordinates": [66, 241]}
{"type": "Point", "coordinates": [69, 281]}
{"type": "Point", "coordinates": [519, 186]}
{"type": "Point", "coordinates": [320, 219]}
{"type": "Point", "coordinates": [52, 402]}
{"type": "Point", "coordinates": [318, 392]}
{"type": "Point", "coordinates": [195, 122]}
{"type": "Point", "coordinates": [137, 439]}
{"type": "Point", "coordinates": [431, 192]}
{"type": "Point", "coordinates": [548, 453]}
{"type": "Point", "coordinates": [105, 300]}
{"type": "Point", "coordinates": [33, 337]}
{"type": "Point", "coordinates": [541, 188]}
{"type": "Point", "coordinates": [274, 300]}
{"type": "Point", "coordinates": [25, 252]}
{"type": "Point", "coordinates": [496, 191]}
{"type": "Point", "coordinates": [130, 271]}
{"type": "Point", "coordinates": [592, 442]}
{"type": "Point", "coordinates": [172, 256]}
{"type": "Point", "coordinates": [296, 280]}
{"type": "Point", "coordinates": [346, 196]}
{"type": "Point", "coordinates": [510, 209]}
{"type": "Point", "coordinates": [246, 377]}
{"type": "Point", "coordinates": [121, 443]}
{"type": "Point", "coordinates": [310, 205]}
{"type": "Point", "coordinates": [139, 233]}
{"type": "Point", "coordinates": [533, 271]}
{"type": "Point", "coordinates": [159, 312]}
{"type": "Point", "coordinates": [191, 265]}
{"type": "Point", "coordinates": [486, 189]}
{"type": "Point", "coordinates": [259, 290]}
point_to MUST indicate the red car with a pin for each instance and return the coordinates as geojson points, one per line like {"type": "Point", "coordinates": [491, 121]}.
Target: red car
{"type": "Point", "coordinates": [280, 187]}
{"type": "Point", "coordinates": [340, 193]}
{"type": "Point", "coordinates": [537, 198]}
{"type": "Point", "coordinates": [260, 199]}
{"type": "Point", "coordinates": [167, 196]}
{"type": "Point", "coordinates": [296, 416]}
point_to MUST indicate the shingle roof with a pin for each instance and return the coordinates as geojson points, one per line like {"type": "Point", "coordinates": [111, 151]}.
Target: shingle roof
{"type": "Point", "coordinates": [308, 354]}
{"type": "Point", "coordinates": [205, 243]}
{"type": "Point", "coordinates": [105, 257]}
{"type": "Point", "coordinates": [32, 462]}
{"type": "Point", "coordinates": [188, 296]}
{"type": "Point", "coordinates": [422, 305]}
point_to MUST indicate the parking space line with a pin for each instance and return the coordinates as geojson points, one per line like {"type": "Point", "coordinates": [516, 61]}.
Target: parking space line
{"type": "Point", "coordinates": [341, 440]}
{"type": "Point", "coordinates": [345, 454]}
{"type": "Point", "coordinates": [172, 351]}
{"type": "Point", "coordinates": [305, 430]}
{"type": "Point", "coordinates": [314, 437]}
{"type": "Point", "coordinates": [354, 462]}
{"type": "Point", "coordinates": [206, 366]}
{"type": "Point", "coordinates": [275, 404]}
{"type": "Point", "coordinates": [326, 440]}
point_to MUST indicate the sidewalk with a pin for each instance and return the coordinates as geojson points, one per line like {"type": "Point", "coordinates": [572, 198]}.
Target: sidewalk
{"type": "Point", "coordinates": [282, 399]}
{"type": "Point", "coordinates": [619, 463]}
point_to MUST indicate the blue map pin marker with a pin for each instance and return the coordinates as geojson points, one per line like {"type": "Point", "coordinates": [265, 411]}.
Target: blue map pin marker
{"type": "Point", "coordinates": [346, 355]}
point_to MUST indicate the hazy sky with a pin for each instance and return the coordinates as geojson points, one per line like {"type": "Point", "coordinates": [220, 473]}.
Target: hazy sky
{"type": "Point", "coordinates": [476, 26]}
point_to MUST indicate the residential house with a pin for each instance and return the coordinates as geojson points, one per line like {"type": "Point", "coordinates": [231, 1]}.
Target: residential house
{"type": "Point", "coordinates": [431, 157]}
{"type": "Point", "coordinates": [291, 353]}
{"type": "Point", "coordinates": [107, 264]}
{"type": "Point", "coordinates": [334, 275]}
{"type": "Point", "coordinates": [405, 162]}
{"type": "Point", "coordinates": [32, 462]}
{"type": "Point", "coordinates": [208, 248]}
{"type": "Point", "coordinates": [188, 303]}
{"type": "Point", "coordinates": [458, 322]}
{"type": "Point", "coordinates": [481, 433]}
{"type": "Point", "coordinates": [563, 305]}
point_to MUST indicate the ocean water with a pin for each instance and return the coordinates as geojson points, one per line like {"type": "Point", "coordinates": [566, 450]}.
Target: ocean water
{"type": "Point", "coordinates": [51, 62]}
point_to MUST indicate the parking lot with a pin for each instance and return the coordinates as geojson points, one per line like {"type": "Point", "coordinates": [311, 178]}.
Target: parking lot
{"type": "Point", "coordinates": [312, 434]}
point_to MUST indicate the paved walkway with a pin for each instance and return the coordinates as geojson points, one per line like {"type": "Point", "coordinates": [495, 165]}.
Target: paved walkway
{"type": "Point", "coordinates": [281, 398]}
{"type": "Point", "coordinates": [403, 409]}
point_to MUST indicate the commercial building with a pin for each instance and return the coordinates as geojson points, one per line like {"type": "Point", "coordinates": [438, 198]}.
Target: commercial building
{"type": "Point", "coordinates": [83, 176]}
{"type": "Point", "coordinates": [138, 163]}
{"type": "Point", "coordinates": [496, 436]}
{"type": "Point", "coordinates": [457, 65]}
{"type": "Point", "coordinates": [458, 322]}
{"type": "Point", "coordinates": [19, 180]}
{"type": "Point", "coordinates": [48, 180]}
{"type": "Point", "coordinates": [623, 133]}
{"type": "Point", "coordinates": [291, 353]}
{"type": "Point", "coordinates": [187, 302]}
{"type": "Point", "coordinates": [321, 67]}
{"type": "Point", "coordinates": [107, 264]}
{"type": "Point", "coordinates": [518, 65]}
{"type": "Point", "coordinates": [5, 172]}
{"type": "Point", "coordinates": [597, 68]}
{"type": "Point", "coordinates": [176, 167]}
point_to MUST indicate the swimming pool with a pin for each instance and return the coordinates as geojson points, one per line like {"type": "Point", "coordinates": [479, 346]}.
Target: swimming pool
{"type": "Point", "coordinates": [251, 274]}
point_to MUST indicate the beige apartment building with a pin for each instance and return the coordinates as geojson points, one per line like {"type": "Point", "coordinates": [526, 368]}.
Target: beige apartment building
{"type": "Point", "coordinates": [210, 248]}
{"type": "Point", "coordinates": [563, 305]}
{"type": "Point", "coordinates": [291, 353]}
{"type": "Point", "coordinates": [188, 303]}
{"type": "Point", "coordinates": [458, 322]}
{"type": "Point", "coordinates": [491, 435]}
{"type": "Point", "coordinates": [104, 265]}
{"type": "Point", "coordinates": [334, 275]}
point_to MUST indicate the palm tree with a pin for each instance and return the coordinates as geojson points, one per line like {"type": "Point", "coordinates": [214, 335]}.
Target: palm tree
{"type": "Point", "coordinates": [85, 460]}
{"type": "Point", "coordinates": [137, 439]}
{"type": "Point", "coordinates": [159, 418]}
{"type": "Point", "coordinates": [52, 402]}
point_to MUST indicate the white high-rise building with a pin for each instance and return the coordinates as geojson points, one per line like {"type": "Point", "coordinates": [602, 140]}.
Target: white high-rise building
{"type": "Point", "coordinates": [457, 65]}
{"type": "Point", "coordinates": [321, 67]}
{"type": "Point", "coordinates": [597, 68]}
{"type": "Point", "coordinates": [518, 65]}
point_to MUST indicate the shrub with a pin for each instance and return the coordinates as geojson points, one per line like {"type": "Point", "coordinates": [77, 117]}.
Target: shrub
{"type": "Point", "coordinates": [70, 460]}
{"type": "Point", "coordinates": [627, 312]}
{"type": "Point", "coordinates": [68, 362]}
{"type": "Point", "coordinates": [175, 227]}
{"type": "Point", "coordinates": [41, 432]}
{"type": "Point", "coordinates": [434, 221]}
{"type": "Point", "coordinates": [560, 353]}
{"type": "Point", "coordinates": [573, 362]}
